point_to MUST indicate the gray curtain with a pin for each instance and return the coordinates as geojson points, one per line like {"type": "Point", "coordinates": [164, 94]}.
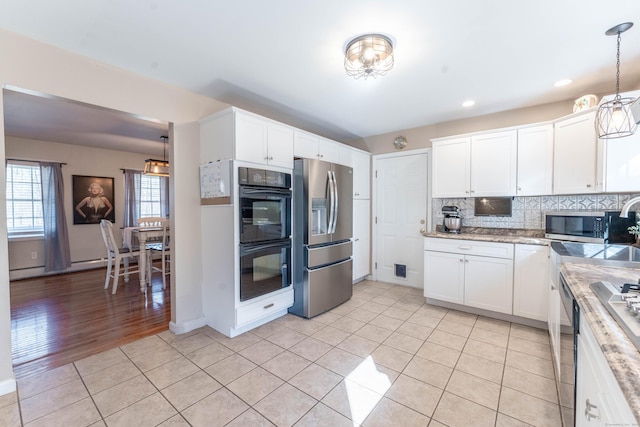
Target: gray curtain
{"type": "Point", "coordinates": [131, 197]}
{"type": "Point", "coordinates": [57, 254]}
{"type": "Point", "coordinates": [164, 196]}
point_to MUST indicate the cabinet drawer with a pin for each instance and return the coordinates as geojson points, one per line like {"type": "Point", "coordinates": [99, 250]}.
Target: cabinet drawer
{"type": "Point", "coordinates": [263, 307]}
{"type": "Point", "coordinates": [469, 247]}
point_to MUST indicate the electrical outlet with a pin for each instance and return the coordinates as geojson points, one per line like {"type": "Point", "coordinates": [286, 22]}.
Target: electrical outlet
{"type": "Point", "coordinates": [34, 255]}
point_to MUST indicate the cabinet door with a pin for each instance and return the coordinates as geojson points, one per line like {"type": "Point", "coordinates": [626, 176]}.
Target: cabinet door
{"type": "Point", "coordinates": [444, 276]}
{"type": "Point", "coordinates": [488, 283]}
{"type": "Point", "coordinates": [251, 139]}
{"type": "Point", "coordinates": [361, 238]}
{"type": "Point", "coordinates": [535, 161]}
{"type": "Point", "coordinates": [305, 144]}
{"type": "Point", "coordinates": [622, 164]}
{"type": "Point", "coordinates": [280, 145]}
{"type": "Point", "coordinates": [328, 150]}
{"type": "Point", "coordinates": [575, 155]}
{"type": "Point", "coordinates": [554, 307]}
{"type": "Point", "coordinates": [361, 174]}
{"type": "Point", "coordinates": [530, 282]}
{"type": "Point", "coordinates": [493, 164]}
{"type": "Point", "coordinates": [451, 162]}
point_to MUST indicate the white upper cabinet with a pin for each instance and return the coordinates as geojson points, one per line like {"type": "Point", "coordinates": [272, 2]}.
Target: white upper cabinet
{"type": "Point", "coordinates": [622, 164]}
{"type": "Point", "coordinates": [575, 155]}
{"type": "Point", "coordinates": [535, 160]}
{"type": "Point", "coordinates": [480, 165]}
{"type": "Point", "coordinates": [310, 146]}
{"type": "Point", "coordinates": [361, 174]}
{"type": "Point", "coordinates": [240, 135]}
{"type": "Point", "coordinates": [493, 164]}
{"type": "Point", "coordinates": [451, 167]}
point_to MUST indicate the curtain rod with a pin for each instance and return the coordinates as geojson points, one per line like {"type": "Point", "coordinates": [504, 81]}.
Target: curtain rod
{"type": "Point", "coordinates": [32, 160]}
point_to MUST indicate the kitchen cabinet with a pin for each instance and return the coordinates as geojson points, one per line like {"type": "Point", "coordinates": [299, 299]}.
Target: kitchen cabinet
{"type": "Point", "coordinates": [494, 164]}
{"type": "Point", "coordinates": [361, 174]}
{"type": "Point", "coordinates": [530, 281]}
{"type": "Point", "coordinates": [622, 164]}
{"type": "Point", "coordinates": [535, 161]}
{"type": "Point", "coordinates": [575, 155]}
{"type": "Point", "coordinates": [599, 399]}
{"type": "Point", "coordinates": [475, 166]}
{"type": "Point", "coordinates": [472, 273]}
{"type": "Point", "coordinates": [239, 135]}
{"type": "Point", "coordinates": [451, 167]}
{"type": "Point", "coordinates": [310, 146]}
{"type": "Point", "coordinates": [361, 238]}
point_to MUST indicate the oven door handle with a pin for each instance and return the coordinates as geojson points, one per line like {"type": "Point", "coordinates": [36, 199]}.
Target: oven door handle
{"type": "Point", "coordinates": [274, 192]}
{"type": "Point", "coordinates": [249, 249]}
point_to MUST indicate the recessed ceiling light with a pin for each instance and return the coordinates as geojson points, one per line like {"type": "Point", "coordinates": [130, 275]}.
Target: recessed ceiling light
{"type": "Point", "coordinates": [468, 103]}
{"type": "Point", "coordinates": [562, 82]}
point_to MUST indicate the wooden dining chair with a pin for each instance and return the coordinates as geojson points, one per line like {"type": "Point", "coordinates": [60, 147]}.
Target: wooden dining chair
{"type": "Point", "coordinates": [115, 256]}
{"type": "Point", "coordinates": [163, 247]}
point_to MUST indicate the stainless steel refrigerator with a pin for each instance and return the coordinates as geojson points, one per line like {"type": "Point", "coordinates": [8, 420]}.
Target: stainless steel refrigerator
{"type": "Point", "coordinates": [322, 231]}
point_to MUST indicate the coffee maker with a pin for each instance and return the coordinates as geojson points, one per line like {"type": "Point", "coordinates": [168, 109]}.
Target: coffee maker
{"type": "Point", "coordinates": [452, 222]}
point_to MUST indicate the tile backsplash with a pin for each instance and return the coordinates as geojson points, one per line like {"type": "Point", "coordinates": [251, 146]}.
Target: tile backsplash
{"type": "Point", "coordinates": [528, 212]}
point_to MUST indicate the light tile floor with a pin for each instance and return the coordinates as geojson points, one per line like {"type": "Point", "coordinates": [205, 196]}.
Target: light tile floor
{"type": "Point", "coordinates": [384, 358]}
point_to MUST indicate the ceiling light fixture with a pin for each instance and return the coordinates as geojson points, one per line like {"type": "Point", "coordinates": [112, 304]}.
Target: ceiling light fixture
{"type": "Point", "coordinates": [614, 118]}
{"type": "Point", "coordinates": [468, 103]}
{"type": "Point", "coordinates": [158, 167]}
{"type": "Point", "coordinates": [369, 55]}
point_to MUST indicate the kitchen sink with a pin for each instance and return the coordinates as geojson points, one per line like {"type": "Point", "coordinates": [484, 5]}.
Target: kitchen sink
{"type": "Point", "coordinates": [598, 252]}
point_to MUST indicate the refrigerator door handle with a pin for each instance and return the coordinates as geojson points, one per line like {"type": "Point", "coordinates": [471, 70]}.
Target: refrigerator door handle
{"type": "Point", "coordinates": [335, 202]}
{"type": "Point", "coordinates": [332, 206]}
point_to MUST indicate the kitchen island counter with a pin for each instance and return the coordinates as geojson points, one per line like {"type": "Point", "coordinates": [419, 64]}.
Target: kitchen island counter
{"type": "Point", "coordinates": [501, 235]}
{"type": "Point", "coordinates": [619, 351]}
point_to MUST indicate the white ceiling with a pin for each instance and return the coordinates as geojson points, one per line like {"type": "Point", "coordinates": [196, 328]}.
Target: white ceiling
{"type": "Point", "coordinates": [284, 58]}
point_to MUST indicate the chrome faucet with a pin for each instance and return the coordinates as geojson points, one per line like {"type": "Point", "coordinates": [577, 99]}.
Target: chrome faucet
{"type": "Point", "coordinates": [624, 212]}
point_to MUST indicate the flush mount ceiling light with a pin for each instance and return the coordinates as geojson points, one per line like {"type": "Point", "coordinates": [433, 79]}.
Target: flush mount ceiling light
{"type": "Point", "coordinates": [369, 55]}
{"type": "Point", "coordinates": [614, 118]}
{"type": "Point", "coordinates": [158, 167]}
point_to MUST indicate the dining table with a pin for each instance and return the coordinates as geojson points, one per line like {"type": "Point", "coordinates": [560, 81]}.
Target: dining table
{"type": "Point", "coordinates": [143, 234]}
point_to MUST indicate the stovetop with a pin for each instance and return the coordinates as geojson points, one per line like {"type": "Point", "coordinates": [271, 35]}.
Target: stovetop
{"type": "Point", "coordinates": [623, 303]}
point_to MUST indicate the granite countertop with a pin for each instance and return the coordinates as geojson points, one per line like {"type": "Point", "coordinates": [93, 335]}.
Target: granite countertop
{"type": "Point", "coordinates": [501, 235]}
{"type": "Point", "coordinates": [619, 351]}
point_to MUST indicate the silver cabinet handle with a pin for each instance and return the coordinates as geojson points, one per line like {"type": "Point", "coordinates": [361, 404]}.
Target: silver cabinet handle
{"type": "Point", "coordinates": [268, 306]}
{"type": "Point", "coordinates": [587, 411]}
{"type": "Point", "coordinates": [588, 185]}
{"type": "Point", "coordinates": [461, 260]}
{"type": "Point", "coordinates": [466, 248]}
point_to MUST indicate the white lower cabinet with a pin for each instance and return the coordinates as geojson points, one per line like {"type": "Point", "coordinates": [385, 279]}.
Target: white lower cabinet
{"type": "Point", "coordinates": [530, 282]}
{"type": "Point", "coordinates": [599, 399]}
{"type": "Point", "coordinates": [361, 238]}
{"type": "Point", "coordinates": [472, 273]}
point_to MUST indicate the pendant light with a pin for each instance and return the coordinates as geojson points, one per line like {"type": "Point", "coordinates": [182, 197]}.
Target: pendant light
{"type": "Point", "coordinates": [158, 167]}
{"type": "Point", "coordinates": [614, 118]}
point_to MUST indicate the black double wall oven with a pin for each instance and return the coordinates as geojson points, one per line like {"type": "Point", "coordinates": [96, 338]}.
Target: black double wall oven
{"type": "Point", "coordinates": [265, 231]}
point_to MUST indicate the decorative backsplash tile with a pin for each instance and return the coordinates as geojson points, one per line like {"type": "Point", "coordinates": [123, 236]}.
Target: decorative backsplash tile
{"type": "Point", "coordinates": [527, 212]}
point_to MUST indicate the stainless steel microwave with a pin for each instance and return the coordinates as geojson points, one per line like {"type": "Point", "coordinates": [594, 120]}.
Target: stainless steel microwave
{"type": "Point", "coordinates": [589, 226]}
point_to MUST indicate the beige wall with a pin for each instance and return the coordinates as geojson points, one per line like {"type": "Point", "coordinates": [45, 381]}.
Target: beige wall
{"type": "Point", "coordinates": [85, 240]}
{"type": "Point", "coordinates": [420, 137]}
{"type": "Point", "coordinates": [32, 65]}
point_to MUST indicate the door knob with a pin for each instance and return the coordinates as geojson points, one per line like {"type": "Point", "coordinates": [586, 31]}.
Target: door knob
{"type": "Point", "coordinates": [422, 221]}
{"type": "Point", "coordinates": [423, 231]}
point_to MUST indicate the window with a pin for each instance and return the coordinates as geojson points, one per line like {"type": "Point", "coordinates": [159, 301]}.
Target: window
{"type": "Point", "coordinates": [24, 199]}
{"type": "Point", "coordinates": [150, 200]}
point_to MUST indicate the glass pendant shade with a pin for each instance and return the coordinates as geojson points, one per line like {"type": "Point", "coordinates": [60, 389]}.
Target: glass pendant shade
{"type": "Point", "coordinates": [156, 167]}
{"type": "Point", "coordinates": [367, 56]}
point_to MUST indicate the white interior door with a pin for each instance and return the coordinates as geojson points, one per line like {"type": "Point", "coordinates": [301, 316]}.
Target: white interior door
{"type": "Point", "coordinates": [400, 213]}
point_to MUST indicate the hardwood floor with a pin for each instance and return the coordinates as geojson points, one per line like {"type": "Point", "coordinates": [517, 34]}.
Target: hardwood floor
{"type": "Point", "coordinates": [60, 319]}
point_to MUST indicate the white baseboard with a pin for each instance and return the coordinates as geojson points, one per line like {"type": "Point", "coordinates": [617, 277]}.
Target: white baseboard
{"type": "Point", "coordinates": [28, 273]}
{"type": "Point", "coordinates": [188, 326]}
{"type": "Point", "coordinates": [7, 386]}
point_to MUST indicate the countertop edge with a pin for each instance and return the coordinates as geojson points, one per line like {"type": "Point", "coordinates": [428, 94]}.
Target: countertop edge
{"type": "Point", "coordinates": [620, 353]}
{"type": "Point", "coordinates": [489, 238]}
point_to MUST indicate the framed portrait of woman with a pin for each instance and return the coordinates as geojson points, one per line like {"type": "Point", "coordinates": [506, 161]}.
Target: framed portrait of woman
{"type": "Point", "coordinates": [92, 199]}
